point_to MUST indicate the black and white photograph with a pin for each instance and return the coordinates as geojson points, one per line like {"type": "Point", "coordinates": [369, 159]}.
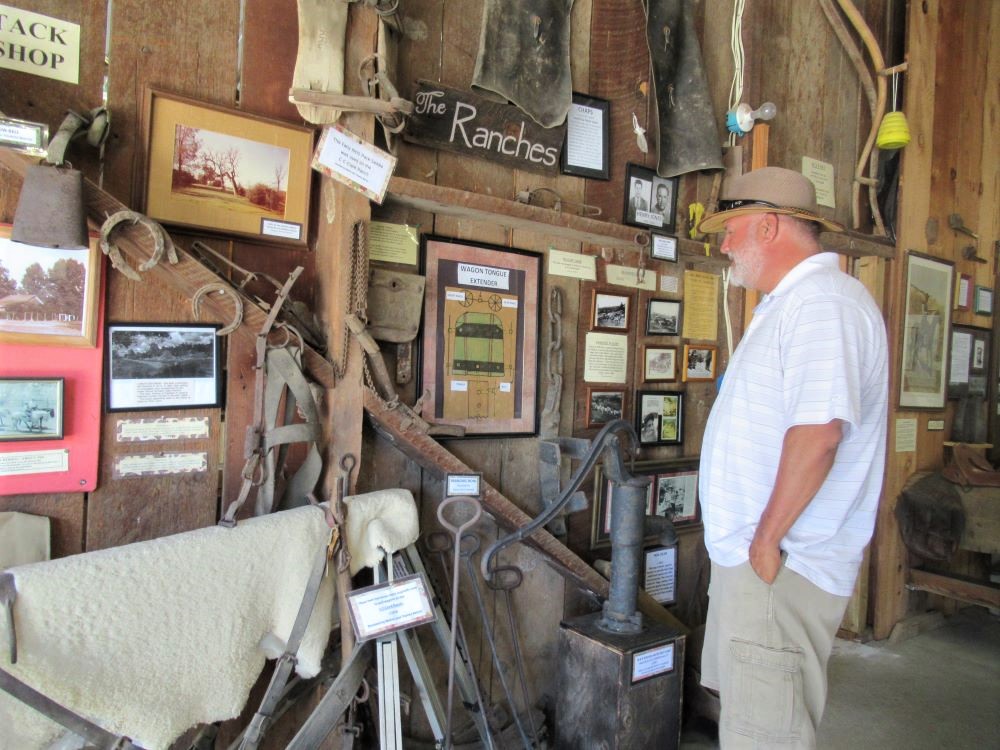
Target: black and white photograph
{"type": "Point", "coordinates": [605, 405]}
{"type": "Point", "coordinates": [610, 312]}
{"type": "Point", "coordinates": [156, 366]}
{"type": "Point", "coordinates": [659, 417]}
{"type": "Point", "coordinates": [663, 318]}
{"type": "Point", "coordinates": [650, 200]}
{"type": "Point", "coordinates": [660, 363]}
{"type": "Point", "coordinates": [31, 409]}
{"type": "Point", "coordinates": [699, 362]}
{"type": "Point", "coordinates": [676, 496]}
{"type": "Point", "coordinates": [663, 247]}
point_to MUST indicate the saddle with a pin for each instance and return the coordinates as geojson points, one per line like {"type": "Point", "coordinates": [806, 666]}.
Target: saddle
{"type": "Point", "coordinates": [969, 469]}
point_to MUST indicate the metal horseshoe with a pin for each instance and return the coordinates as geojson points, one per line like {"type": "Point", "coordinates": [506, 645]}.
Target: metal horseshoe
{"type": "Point", "coordinates": [217, 286]}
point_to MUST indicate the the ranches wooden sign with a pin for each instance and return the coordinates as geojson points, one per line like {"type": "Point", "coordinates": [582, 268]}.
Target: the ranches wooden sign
{"type": "Point", "coordinates": [461, 121]}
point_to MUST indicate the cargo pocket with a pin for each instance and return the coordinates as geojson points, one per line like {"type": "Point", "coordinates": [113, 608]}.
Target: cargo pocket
{"type": "Point", "coordinates": [765, 698]}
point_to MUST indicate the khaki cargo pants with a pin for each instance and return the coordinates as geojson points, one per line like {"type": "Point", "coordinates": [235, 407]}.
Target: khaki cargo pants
{"type": "Point", "coordinates": [766, 649]}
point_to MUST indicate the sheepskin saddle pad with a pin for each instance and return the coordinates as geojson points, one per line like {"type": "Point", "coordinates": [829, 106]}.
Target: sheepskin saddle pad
{"type": "Point", "coordinates": [151, 638]}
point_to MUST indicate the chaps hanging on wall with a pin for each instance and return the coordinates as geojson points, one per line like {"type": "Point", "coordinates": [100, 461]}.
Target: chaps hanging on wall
{"type": "Point", "coordinates": [689, 139]}
{"type": "Point", "coordinates": [524, 57]}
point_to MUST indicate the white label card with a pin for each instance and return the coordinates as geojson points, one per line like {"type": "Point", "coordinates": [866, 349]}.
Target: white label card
{"type": "Point", "coordinates": [466, 485]}
{"type": "Point", "coordinates": [484, 276]}
{"type": "Point", "coordinates": [652, 661]}
{"type": "Point", "coordinates": [33, 462]}
{"type": "Point", "coordinates": [390, 607]}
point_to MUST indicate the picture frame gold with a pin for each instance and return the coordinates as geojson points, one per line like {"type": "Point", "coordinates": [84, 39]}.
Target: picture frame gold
{"type": "Point", "coordinates": [700, 362]}
{"type": "Point", "coordinates": [209, 168]}
{"type": "Point", "coordinates": [480, 338]}
{"type": "Point", "coordinates": [63, 310]}
{"type": "Point", "coordinates": [926, 331]}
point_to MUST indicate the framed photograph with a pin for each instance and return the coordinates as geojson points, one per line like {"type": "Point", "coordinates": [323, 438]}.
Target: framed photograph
{"type": "Point", "coordinates": [48, 295]}
{"type": "Point", "coordinates": [660, 363]}
{"type": "Point", "coordinates": [585, 152]}
{"type": "Point", "coordinates": [984, 300]}
{"type": "Point", "coordinates": [663, 247]}
{"type": "Point", "coordinates": [663, 318]}
{"type": "Point", "coordinates": [604, 405]}
{"type": "Point", "coordinates": [650, 200]}
{"type": "Point", "coordinates": [31, 409]}
{"type": "Point", "coordinates": [610, 312]}
{"type": "Point", "coordinates": [480, 336]}
{"type": "Point", "coordinates": [963, 291]}
{"type": "Point", "coordinates": [679, 481]}
{"type": "Point", "coordinates": [699, 362]}
{"type": "Point", "coordinates": [969, 363]}
{"type": "Point", "coordinates": [926, 322]}
{"type": "Point", "coordinates": [675, 494]}
{"type": "Point", "coordinates": [659, 417]}
{"type": "Point", "coordinates": [214, 169]}
{"type": "Point", "coordinates": [161, 366]}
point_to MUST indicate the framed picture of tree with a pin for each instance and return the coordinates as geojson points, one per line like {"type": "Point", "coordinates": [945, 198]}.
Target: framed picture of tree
{"type": "Point", "coordinates": [48, 295]}
{"type": "Point", "coordinates": [214, 169]}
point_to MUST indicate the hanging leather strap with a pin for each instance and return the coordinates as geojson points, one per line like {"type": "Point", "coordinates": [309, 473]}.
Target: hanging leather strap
{"type": "Point", "coordinates": [96, 736]}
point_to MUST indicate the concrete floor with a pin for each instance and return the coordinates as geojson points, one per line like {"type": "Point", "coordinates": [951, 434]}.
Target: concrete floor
{"type": "Point", "coordinates": [939, 689]}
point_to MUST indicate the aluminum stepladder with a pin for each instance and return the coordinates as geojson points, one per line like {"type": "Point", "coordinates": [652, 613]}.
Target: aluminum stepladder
{"type": "Point", "coordinates": [408, 562]}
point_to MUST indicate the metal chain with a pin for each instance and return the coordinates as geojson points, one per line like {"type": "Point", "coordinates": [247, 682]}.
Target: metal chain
{"type": "Point", "coordinates": [357, 302]}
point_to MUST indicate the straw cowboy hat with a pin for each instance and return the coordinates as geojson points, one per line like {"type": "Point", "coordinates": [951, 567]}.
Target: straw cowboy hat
{"type": "Point", "coordinates": [770, 190]}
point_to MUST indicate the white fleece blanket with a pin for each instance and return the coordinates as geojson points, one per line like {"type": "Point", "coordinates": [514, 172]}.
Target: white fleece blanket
{"type": "Point", "coordinates": [382, 520]}
{"type": "Point", "coordinates": [152, 638]}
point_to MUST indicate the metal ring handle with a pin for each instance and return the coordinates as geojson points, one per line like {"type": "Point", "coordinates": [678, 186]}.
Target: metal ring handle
{"type": "Point", "coordinates": [448, 502]}
{"type": "Point", "coordinates": [468, 550]}
{"type": "Point", "coordinates": [438, 541]}
{"type": "Point", "coordinates": [505, 578]}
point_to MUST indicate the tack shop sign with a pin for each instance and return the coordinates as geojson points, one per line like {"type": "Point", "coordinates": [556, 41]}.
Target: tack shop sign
{"type": "Point", "coordinates": [461, 121]}
{"type": "Point", "coordinates": [39, 45]}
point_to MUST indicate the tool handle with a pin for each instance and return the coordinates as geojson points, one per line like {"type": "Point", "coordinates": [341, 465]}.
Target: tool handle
{"type": "Point", "coordinates": [450, 501]}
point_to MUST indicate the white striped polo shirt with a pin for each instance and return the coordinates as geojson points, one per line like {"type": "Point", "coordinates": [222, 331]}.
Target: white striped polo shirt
{"type": "Point", "coordinates": [814, 351]}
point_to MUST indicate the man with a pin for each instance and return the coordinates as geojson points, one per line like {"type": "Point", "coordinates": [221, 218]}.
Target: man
{"type": "Point", "coordinates": [662, 205]}
{"type": "Point", "coordinates": [637, 200]}
{"type": "Point", "coordinates": [791, 464]}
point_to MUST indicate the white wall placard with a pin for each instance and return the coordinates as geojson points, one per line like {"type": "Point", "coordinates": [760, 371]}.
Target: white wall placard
{"type": "Point", "coordinates": [390, 607]}
{"type": "Point", "coordinates": [465, 485]}
{"type": "Point", "coordinates": [162, 428]}
{"type": "Point", "coordinates": [33, 462]}
{"type": "Point", "coordinates": [358, 164]}
{"type": "Point", "coordinates": [652, 661]}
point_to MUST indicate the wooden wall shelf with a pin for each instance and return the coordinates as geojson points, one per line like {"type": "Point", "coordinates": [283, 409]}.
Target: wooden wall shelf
{"type": "Point", "coordinates": [477, 207]}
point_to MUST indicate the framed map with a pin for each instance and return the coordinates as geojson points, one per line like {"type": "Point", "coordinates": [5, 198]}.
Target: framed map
{"type": "Point", "coordinates": [480, 337]}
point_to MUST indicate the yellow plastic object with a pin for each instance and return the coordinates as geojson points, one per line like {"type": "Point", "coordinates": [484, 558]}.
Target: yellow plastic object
{"type": "Point", "coordinates": [894, 132]}
{"type": "Point", "coordinates": [696, 211]}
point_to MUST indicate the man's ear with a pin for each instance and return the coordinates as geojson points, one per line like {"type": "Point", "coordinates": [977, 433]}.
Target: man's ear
{"type": "Point", "coordinates": [767, 227]}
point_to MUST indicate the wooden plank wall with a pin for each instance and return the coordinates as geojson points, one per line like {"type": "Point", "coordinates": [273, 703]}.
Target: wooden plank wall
{"type": "Point", "coordinates": [950, 166]}
{"type": "Point", "coordinates": [793, 59]}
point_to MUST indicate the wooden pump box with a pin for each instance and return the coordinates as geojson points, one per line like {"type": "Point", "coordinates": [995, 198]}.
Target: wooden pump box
{"type": "Point", "coordinates": [618, 691]}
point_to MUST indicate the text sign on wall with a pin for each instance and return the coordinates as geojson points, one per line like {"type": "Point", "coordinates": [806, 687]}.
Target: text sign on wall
{"type": "Point", "coordinates": [39, 45]}
{"type": "Point", "coordinates": [461, 121]}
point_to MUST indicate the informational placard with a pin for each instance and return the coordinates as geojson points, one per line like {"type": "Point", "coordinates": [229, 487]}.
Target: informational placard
{"type": "Point", "coordinates": [33, 462]}
{"type": "Point", "coordinates": [637, 278]}
{"type": "Point", "coordinates": [820, 173]}
{"type": "Point", "coordinates": [652, 662]}
{"type": "Point", "coordinates": [660, 576]}
{"type": "Point", "coordinates": [21, 135]}
{"type": "Point", "coordinates": [906, 435]}
{"type": "Point", "coordinates": [701, 306]}
{"type": "Point", "coordinates": [587, 126]}
{"type": "Point", "coordinates": [39, 45]}
{"type": "Point", "coordinates": [605, 358]}
{"type": "Point", "coordinates": [138, 465]}
{"type": "Point", "coordinates": [162, 428]}
{"type": "Point", "coordinates": [390, 607]}
{"type": "Point", "coordinates": [393, 243]}
{"type": "Point", "coordinates": [572, 265]}
{"type": "Point", "coordinates": [465, 485]}
{"type": "Point", "coordinates": [346, 158]}
{"type": "Point", "coordinates": [669, 283]}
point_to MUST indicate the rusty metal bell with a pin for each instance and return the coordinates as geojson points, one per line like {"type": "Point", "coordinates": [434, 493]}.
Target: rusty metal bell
{"type": "Point", "coordinates": [50, 212]}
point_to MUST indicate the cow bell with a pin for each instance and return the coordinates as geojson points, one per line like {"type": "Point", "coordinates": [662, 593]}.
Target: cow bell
{"type": "Point", "coordinates": [50, 212]}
